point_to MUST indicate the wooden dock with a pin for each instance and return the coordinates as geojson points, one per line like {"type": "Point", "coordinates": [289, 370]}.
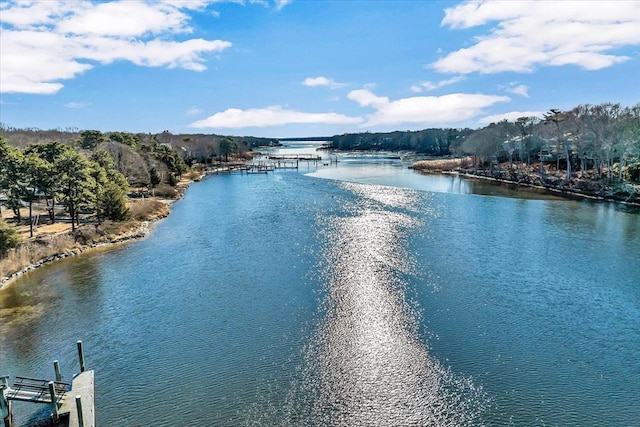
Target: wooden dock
{"type": "Point", "coordinates": [72, 405]}
{"type": "Point", "coordinates": [82, 389]}
{"type": "Point", "coordinates": [293, 157]}
{"type": "Point", "coordinates": [269, 163]}
{"type": "Point", "coordinates": [36, 390]}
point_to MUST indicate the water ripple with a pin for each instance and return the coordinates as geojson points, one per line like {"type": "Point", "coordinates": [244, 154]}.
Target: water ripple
{"type": "Point", "coordinates": [366, 364]}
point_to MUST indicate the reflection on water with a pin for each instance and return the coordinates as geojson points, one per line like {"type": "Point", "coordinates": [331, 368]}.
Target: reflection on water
{"type": "Point", "coordinates": [395, 172]}
{"type": "Point", "coordinates": [366, 364]}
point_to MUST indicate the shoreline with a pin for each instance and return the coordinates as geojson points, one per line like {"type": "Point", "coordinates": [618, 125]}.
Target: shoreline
{"type": "Point", "coordinates": [565, 192]}
{"type": "Point", "coordinates": [133, 234]}
{"type": "Point", "coordinates": [141, 230]}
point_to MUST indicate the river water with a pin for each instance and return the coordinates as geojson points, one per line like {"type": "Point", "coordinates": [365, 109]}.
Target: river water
{"type": "Point", "coordinates": [352, 294]}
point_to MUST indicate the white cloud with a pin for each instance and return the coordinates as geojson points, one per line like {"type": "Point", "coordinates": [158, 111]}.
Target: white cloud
{"type": "Point", "coordinates": [511, 116]}
{"type": "Point", "coordinates": [522, 90]}
{"type": "Point", "coordinates": [322, 81]}
{"type": "Point", "coordinates": [31, 14]}
{"type": "Point", "coordinates": [366, 98]}
{"type": "Point", "coordinates": [125, 19]}
{"type": "Point", "coordinates": [270, 116]}
{"type": "Point", "coordinates": [530, 34]}
{"type": "Point", "coordinates": [428, 85]}
{"type": "Point", "coordinates": [282, 3]}
{"type": "Point", "coordinates": [71, 36]}
{"type": "Point", "coordinates": [427, 110]}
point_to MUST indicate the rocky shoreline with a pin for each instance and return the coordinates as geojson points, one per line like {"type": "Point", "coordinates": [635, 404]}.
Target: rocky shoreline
{"type": "Point", "coordinates": [566, 191]}
{"type": "Point", "coordinates": [582, 187]}
{"type": "Point", "coordinates": [134, 234]}
{"type": "Point", "coordinates": [140, 231]}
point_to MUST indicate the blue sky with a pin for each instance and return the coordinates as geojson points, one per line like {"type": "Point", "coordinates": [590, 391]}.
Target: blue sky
{"type": "Point", "coordinates": [288, 68]}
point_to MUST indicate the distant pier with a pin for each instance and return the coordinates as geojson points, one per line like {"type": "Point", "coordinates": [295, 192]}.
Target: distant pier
{"type": "Point", "coordinates": [270, 163]}
{"type": "Point", "coordinates": [72, 405]}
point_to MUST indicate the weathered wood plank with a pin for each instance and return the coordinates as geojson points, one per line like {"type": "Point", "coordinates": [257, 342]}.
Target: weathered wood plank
{"type": "Point", "coordinates": [84, 386]}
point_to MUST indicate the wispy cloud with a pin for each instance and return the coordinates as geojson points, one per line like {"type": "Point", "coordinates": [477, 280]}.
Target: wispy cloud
{"type": "Point", "coordinates": [531, 34]}
{"type": "Point", "coordinates": [511, 116]}
{"type": "Point", "coordinates": [277, 4]}
{"type": "Point", "coordinates": [282, 3]}
{"type": "Point", "coordinates": [429, 85]}
{"type": "Point", "coordinates": [322, 81]}
{"type": "Point", "coordinates": [270, 116]}
{"type": "Point", "coordinates": [426, 110]}
{"type": "Point", "coordinates": [76, 105]}
{"type": "Point", "coordinates": [519, 89]}
{"type": "Point", "coordinates": [71, 37]}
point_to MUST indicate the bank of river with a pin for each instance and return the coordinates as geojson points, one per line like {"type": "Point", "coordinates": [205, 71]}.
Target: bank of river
{"type": "Point", "coordinates": [522, 176]}
{"type": "Point", "coordinates": [48, 246]}
{"type": "Point", "coordinates": [377, 295]}
{"type": "Point", "coordinates": [131, 233]}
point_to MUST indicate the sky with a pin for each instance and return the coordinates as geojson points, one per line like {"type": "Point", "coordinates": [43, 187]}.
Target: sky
{"type": "Point", "coordinates": [294, 68]}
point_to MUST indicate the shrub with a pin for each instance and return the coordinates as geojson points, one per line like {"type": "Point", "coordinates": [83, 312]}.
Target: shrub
{"type": "Point", "coordinates": [165, 191]}
{"type": "Point", "coordinates": [443, 164]}
{"type": "Point", "coordinates": [148, 209]}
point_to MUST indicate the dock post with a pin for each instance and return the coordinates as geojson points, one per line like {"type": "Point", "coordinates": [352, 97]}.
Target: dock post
{"type": "Point", "coordinates": [5, 405]}
{"type": "Point", "coordinates": [54, 400]}
{"type": "Point", "coordinates": [79, 409]}
{"type": "Point", "coordinates": [81, 356]}
{"type": "Point", "coordinates": [56, 368]}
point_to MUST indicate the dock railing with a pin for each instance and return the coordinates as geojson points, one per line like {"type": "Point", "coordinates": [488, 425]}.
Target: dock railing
{"type": "Point", "coordinates": [79, 412]}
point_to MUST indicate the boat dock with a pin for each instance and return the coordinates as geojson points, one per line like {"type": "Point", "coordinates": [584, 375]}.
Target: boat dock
{"type": "Point", "coordinates": [270, 163]}
{"type": "Point", "coordinates": [72, 405]}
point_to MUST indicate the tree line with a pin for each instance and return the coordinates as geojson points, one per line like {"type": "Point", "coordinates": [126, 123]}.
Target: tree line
{"type": "Point", "coordinates": [603, 137]}
{"type": "Point", "coordinates": [432, 142]}
{"type": "Point", "coordinates": [57, 175]}
{"type": "Point", "coordinates": [90, 172]}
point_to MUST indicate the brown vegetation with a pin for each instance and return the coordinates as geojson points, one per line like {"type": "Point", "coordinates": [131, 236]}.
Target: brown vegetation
{"type": "Point", "coordinates": [165, 191]}
{"type": "Point", "coordinates": [437, 165]}
{"type": "Point", "coordinates": [57, 241]}
{"type": "Point", "coordinates": [148, 209]}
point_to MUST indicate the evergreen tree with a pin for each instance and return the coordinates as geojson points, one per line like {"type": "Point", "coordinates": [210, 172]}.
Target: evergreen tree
{"type": "Point", "coordinates": [113, 203]}
{"type": "Point", "coordinates": [8, 238]}
{"type": "Point", "coordinates": [50, 152]}
{"type": "Point", "coordinates": [75, 184]}
{"type": "Point", "coordinates": [35, 174]}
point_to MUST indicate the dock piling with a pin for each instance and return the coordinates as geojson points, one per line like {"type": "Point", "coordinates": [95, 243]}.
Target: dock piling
{"type": "Point", "coordinates": [53, 393]}
{"type": "Point", "coordinates": [5, 405]}
{"type": "Point", "coordinates": [54, 400]}
{"type": "Point", "coordinates": [56, 368]}
{"type": "Point", "coordinates": [81, 356]}
{"type": "Point", "coordinates": [79, 409]}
